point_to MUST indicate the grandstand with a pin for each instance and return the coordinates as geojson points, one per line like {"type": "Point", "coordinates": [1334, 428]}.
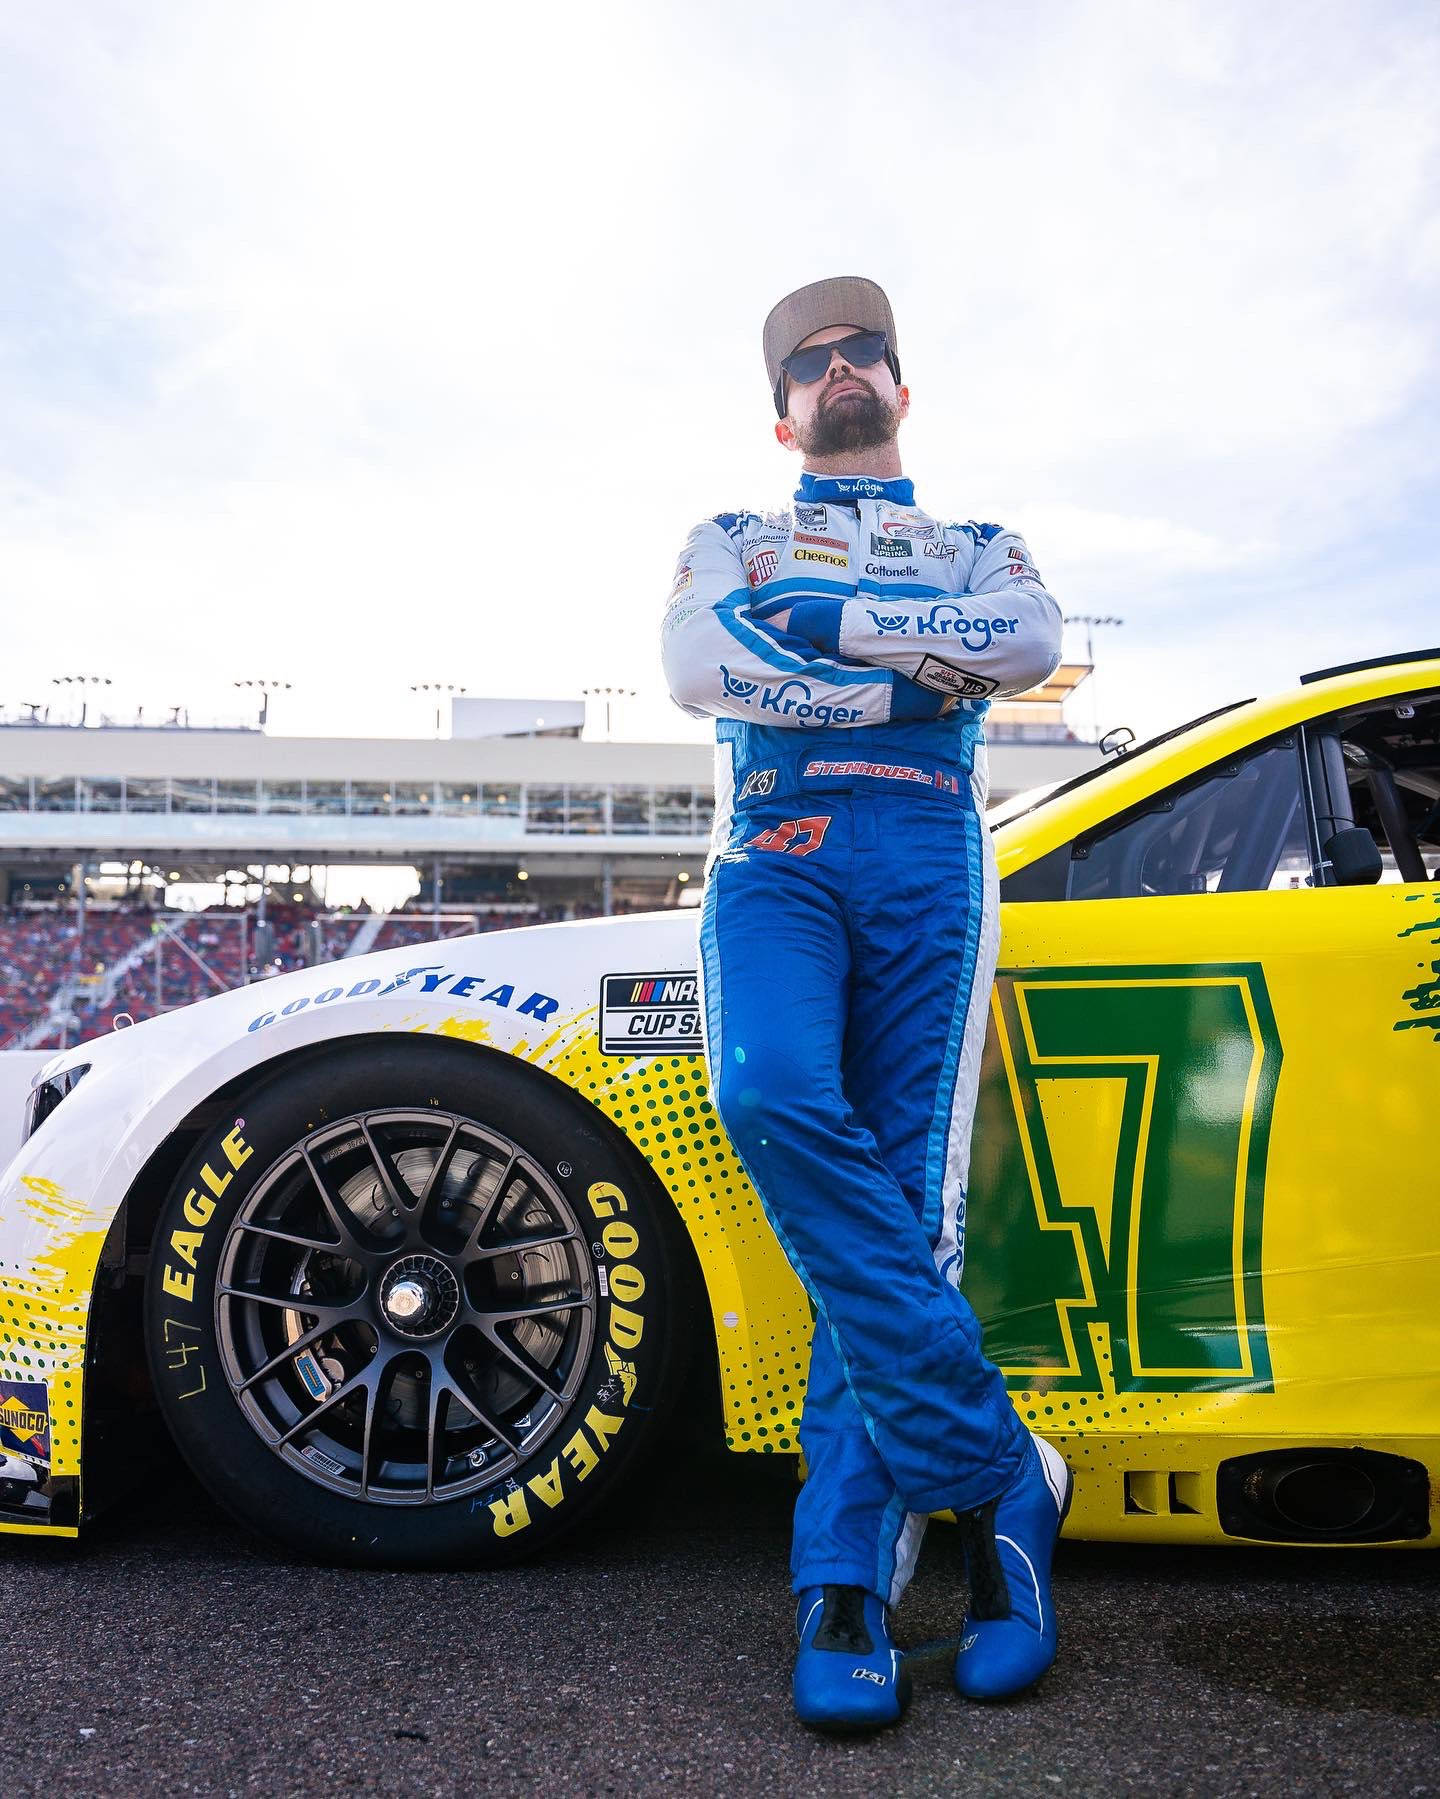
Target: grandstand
{"type": "Point", "coordinates": [104, 827]}
{"type": "Point", "coordinates": [66, 976]}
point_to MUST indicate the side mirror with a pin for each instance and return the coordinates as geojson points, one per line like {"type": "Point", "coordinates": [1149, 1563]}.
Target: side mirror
{"type": "Point", "coordinates": [1354, 857]}
{"type": "Point", "coordinates": [1116, 742]}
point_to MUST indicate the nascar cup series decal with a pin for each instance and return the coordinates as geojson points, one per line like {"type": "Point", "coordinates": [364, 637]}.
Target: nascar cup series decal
{"type": "Point", "coordinates": [650, 1014]}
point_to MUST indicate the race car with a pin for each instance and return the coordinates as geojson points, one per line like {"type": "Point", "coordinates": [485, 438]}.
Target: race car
{"type": "Point", "coordinates": [413, 1252]}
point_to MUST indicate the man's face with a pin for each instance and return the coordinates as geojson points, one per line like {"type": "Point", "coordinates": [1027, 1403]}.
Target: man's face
{"type": "Point", "coordinates": [846, 409]}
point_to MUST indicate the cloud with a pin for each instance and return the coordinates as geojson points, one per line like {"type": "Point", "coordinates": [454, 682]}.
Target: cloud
{"type": "Point", "coordinates": [380, 348]}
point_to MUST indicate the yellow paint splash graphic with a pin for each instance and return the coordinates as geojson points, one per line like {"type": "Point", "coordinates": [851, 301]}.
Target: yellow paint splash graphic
{"type": "Point", "coordinates": [468, 1030]}
{"type": "Point", "coordinates": [44, 1310]}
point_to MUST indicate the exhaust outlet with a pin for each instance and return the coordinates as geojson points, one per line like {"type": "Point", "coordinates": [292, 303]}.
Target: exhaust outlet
{"type": "Point", "coordinates": [1323, 1495]}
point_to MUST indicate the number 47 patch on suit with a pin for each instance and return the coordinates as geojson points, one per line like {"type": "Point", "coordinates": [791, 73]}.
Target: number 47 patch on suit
{"type": "Point", "coordinates": [794, 836]}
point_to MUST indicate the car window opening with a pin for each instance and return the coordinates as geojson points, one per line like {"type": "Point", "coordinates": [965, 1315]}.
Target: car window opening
{"type": "Point", "coordinates": [1237, 828]}
{"type": "Point", "coordinates": [1391, 760]}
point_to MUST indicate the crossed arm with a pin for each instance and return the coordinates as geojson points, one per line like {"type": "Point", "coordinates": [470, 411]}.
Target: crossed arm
{"type": "Point", "coordinates": [723, 661]}
{"type": "Point", "coordinates": [851, 661]}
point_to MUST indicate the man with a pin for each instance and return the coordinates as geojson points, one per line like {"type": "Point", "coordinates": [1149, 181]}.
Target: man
{"type": "Point", "coordinates": [848, 649]}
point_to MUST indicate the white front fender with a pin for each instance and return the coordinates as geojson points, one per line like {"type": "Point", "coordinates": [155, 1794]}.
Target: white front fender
{"type": "Point", "coordinates": [533, 994]}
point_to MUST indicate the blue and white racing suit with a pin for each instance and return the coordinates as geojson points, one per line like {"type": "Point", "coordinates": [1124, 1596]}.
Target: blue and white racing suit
{"type": "Point", "coordinates": [848, 943]}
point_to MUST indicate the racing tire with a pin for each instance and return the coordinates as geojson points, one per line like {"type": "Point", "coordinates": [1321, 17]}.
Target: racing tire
{"type": "Point", "coordinates": [413, 1304]}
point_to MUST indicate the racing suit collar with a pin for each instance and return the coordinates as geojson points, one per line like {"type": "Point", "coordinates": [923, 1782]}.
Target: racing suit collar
{"type": "Point", "coordinates": [813, 488]}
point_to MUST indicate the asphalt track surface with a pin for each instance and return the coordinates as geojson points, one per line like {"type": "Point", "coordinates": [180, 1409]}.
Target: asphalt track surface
{"type": "Point", "coordinates": [174, 1654]}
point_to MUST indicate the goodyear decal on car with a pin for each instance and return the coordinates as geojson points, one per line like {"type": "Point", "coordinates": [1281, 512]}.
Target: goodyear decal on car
{"type": "Point", "coordinates": [431, 978]}
{"type": "Point", "coordinates": [650, 1014]}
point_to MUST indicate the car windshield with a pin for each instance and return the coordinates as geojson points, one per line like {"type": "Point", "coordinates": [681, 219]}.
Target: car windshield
{"type": "Point", "coordinates": [1035, 797]}
{"type": "Point", "coordinates": [1018, 803]}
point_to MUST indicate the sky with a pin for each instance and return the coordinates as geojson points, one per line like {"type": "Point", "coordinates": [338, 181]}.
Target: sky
{"type": "Point", "coordinates": [360, 346]}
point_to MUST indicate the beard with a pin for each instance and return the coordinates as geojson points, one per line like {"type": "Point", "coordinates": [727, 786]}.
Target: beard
{"type": "Point", "coordinates": [859, 421]}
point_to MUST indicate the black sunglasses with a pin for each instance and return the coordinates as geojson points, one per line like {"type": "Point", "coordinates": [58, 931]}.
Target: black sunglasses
{"type": "Point", "coordinates": [862, 350]}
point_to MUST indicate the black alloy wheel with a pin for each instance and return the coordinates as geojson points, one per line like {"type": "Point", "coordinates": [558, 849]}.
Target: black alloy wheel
{"type": "Point", "coordinates": [414, 1303]}
{"type": "Point", "coordinates": [406, 1306]}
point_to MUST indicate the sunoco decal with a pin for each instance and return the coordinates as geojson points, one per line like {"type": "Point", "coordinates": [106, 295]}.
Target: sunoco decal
{"type": "Point", "coordinates": [650, 1015]}
{"type": "Point", "coordinates": [25, 1419]}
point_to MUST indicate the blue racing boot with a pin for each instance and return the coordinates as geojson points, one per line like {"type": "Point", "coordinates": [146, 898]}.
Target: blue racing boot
{"type": "Point", "coordinates": [1008, 1639]}
{"type": "Point", "coordinates": [847, 1672]}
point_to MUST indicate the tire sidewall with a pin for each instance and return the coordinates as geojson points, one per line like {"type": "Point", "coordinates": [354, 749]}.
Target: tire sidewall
{"type": "Point", "coordinates": [631, 1371]}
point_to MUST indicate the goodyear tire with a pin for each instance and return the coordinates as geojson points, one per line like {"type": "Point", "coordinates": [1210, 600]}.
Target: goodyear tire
{"type": "Point", "coordinates": [413, 1305]}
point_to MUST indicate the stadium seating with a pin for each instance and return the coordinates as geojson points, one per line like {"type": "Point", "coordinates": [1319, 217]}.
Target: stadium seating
{"type": "Point", "coordinates": [173, 959]}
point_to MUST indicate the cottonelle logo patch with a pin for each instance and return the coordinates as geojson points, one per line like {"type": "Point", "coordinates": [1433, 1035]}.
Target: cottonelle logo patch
{"type": "Point", "coordinates": [650, 1015]}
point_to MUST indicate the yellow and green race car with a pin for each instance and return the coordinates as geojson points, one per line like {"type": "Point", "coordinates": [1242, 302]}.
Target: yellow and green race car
{"type": "Point", "coordinates": [415, 1252]}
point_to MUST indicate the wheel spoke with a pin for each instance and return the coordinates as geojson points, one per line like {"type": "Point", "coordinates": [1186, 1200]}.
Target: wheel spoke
{"type": "Point", "coordinates": [437, 1173]}
{"type": "Point", "coordinates": [357, 1383]}
{"type": "Point", "coordinates": [336, 1212]}
{"type": "Point", "coordinates": [290, 1351]}
{"type": "Point", "coordinates": [519, 1244]}
{"type": "Point", "coordinates": [326, 1244]}
{"type": "Point", "coordinates": [487, 1210]}
{"type": "Point", "coordinates": [372, 1405]}
{"type": "Point", "coordinates": [330, 1313]}
{"type": "Point", "coordinates": [509, 1314]}
{"type": "Point", "coordinates": [451, 1384]}
{"type": "Point", "coordinates": [438, 1395]}
{"type": "Point", "coordinates": [518, 1358]}
{"type": "Point", "coordinates": [399, 1195]}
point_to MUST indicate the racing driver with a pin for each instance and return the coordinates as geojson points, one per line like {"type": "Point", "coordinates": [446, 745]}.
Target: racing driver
{"type": "Point", "coordinates": [848, 649]}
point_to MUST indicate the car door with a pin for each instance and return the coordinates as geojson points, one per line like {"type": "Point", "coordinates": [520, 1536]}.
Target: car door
{"type": "Point", "coordinates": [1203, 1157]}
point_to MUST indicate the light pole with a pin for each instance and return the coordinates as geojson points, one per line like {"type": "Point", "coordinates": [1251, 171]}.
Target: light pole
{"type": "Point", "coordinates": [607, 694]}
{"type": "Point", "coordinates": [81, 682]}
{"type": "Point", "coordinates": [1090, 620]}
{"type": "Point", "coordinates": [264, 688]}
{"type": "Point", "coordinates": [438, 688]}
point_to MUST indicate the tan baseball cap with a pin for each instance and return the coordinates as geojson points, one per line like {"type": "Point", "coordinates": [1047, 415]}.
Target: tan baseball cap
{"type": "Point", "coordinates": [838, 300]}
